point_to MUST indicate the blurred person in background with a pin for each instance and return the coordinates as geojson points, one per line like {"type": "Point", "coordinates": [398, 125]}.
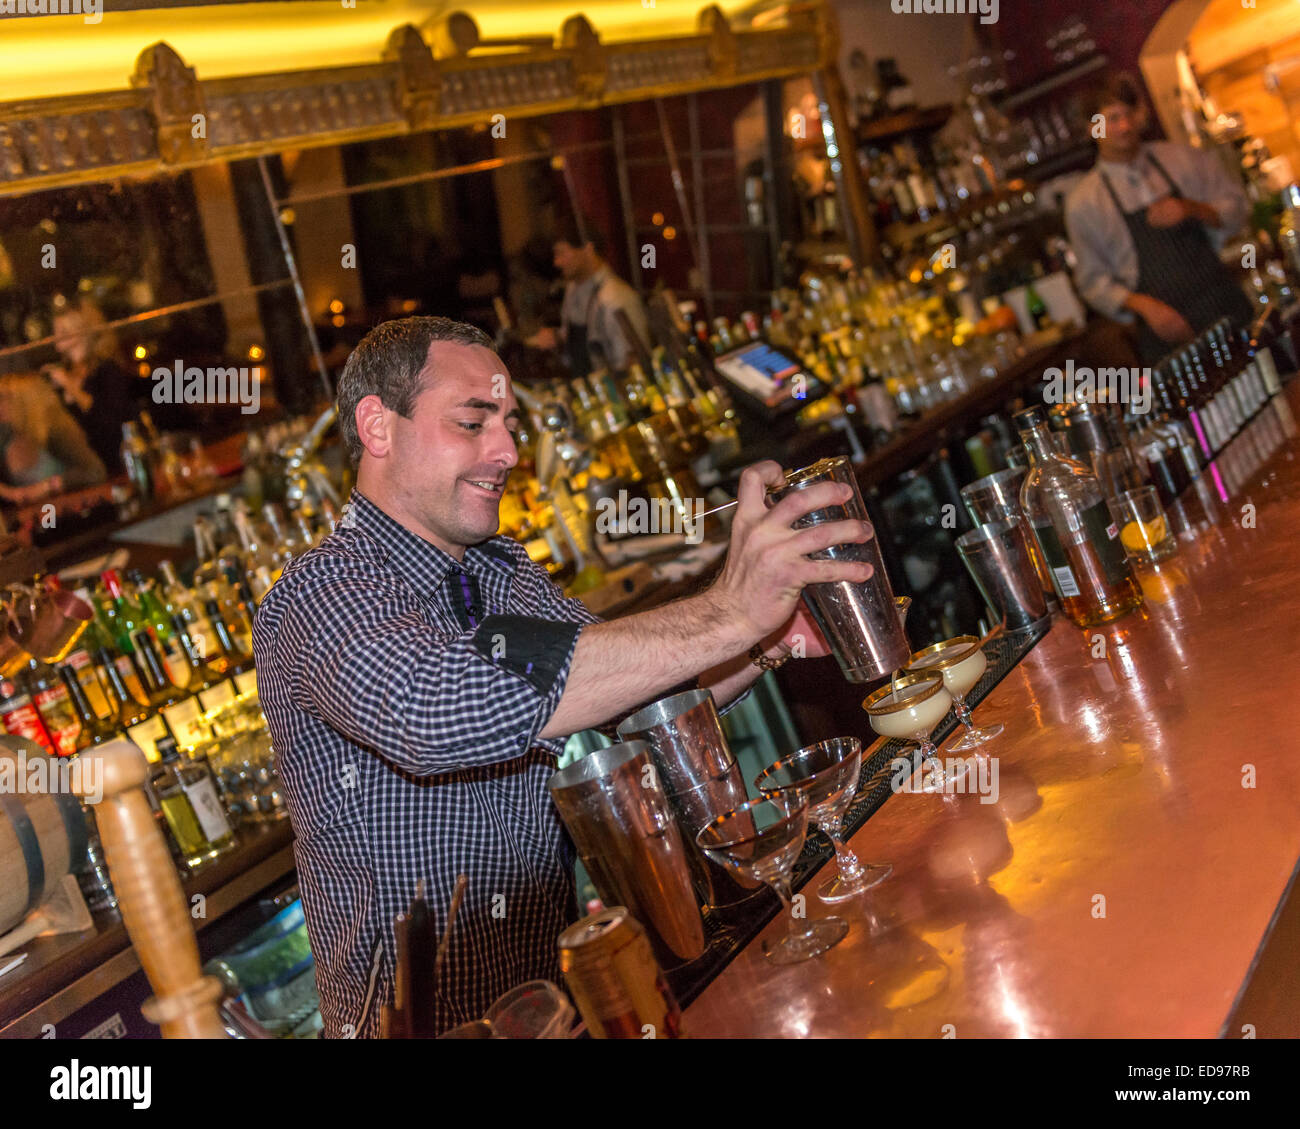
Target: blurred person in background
{"type": "Point", "coordinates": [1146, 225]}
{"type": "Point", "coordinates": [96, 390]}
{"type": "Point", "coordinates": [43, 450]}
{"type": "Point", "coordinates": [590, 333]}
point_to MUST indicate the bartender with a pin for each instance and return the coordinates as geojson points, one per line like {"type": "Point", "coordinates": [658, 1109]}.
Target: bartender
{"type": "Point", "coordinates": [419, 676]}
{"type": "Point", "coordinates": [1146, 224]}
{"type": "Point", "coordinates": [591, 334]}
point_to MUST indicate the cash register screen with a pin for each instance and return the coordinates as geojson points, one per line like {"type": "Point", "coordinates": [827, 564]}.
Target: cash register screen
{"type": "Point", "coordinates": [766, 373]}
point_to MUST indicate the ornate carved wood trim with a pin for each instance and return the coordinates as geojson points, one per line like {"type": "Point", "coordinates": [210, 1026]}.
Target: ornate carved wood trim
{"type": "Point", "coordinates": [171, 118]}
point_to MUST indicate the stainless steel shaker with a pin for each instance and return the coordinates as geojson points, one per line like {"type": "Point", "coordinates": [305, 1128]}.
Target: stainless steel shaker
{"type": "Point", "coordinates": [701, 778]}
{"type": "Point", "coordinates": [858, 619]}
{"type": "Point", "coordinates": [615, 809]}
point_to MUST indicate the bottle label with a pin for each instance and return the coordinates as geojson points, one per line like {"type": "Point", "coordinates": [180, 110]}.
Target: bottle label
{"type": "Point", "coordinates": [1103, 532]}
{"type": "Point", "coordinates": [246, 683]}
{"type": "Point", "coordinates": [183, 719]}
{"type": "Point", "coordinates": [207, 807]}
{"type": "Point", "coordinates": [21, 719]}
{"type": "Point", "coordinates": [81, 662]}
{"type": "Point", "coordinates": [55, 708]}
{"type": "Point", "coordinates": [1054, 553]}
{"type": "Point", "coordinates": [147, 735]}
{"type": "Point", "coordinates": [217, 695]}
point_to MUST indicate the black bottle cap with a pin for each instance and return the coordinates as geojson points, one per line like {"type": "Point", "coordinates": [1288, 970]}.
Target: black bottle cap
{"type": "Point", "coordinates": [167, 749]}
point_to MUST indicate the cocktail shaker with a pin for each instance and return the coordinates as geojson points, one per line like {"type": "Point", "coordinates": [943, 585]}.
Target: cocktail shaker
{"type": "Point", "coordinates": [618, 816]}
{"type": "Point", "coordinates": [699, 775]}
{"type": "Point", "coordinates": [858, 619]}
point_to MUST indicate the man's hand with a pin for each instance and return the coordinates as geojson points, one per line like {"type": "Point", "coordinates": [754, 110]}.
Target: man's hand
{"type": "Point", "coordinates": [1169, 212]}
{"type": "Point", "coordinates": [1165, 322]}
{"type": "Point", "coordinates": [544, 338]}
{"type": "Point", "coordinates": [802, 637]}
{"type": "Point", "coordinates": [767, 565]}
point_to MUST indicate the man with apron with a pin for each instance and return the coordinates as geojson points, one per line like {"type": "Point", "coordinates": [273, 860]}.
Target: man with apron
{"type": "Point", "coordinates": [591, 336]}
{"type": "Point", "coordinates": [1146, 224]}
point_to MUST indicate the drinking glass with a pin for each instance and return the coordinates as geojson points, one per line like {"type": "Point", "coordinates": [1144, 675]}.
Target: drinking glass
{"type": "Point", "coordinates": [826, 774]}
{"type": "Point", "coordinates": [962, 663]}
{"type": "Point", "coordinates": [910, 706]}
{"type": "Point", "coordinates": [761, 839]}
{"type": "Point", "coordinates": [1145, 532]}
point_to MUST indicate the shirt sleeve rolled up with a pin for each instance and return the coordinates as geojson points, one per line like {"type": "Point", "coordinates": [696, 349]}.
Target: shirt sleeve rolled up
{"type": "Point", "coordinates": [373, 668]}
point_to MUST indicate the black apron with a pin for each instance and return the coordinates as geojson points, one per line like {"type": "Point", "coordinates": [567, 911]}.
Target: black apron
{"type": "Point", "coordinates": [1178, 266]}
{"type": "Point", "coordinates": [577, 339]}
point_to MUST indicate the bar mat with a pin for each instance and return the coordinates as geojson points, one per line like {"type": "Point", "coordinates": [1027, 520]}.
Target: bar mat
{"type": "Point", "coordinates": [730, 930]}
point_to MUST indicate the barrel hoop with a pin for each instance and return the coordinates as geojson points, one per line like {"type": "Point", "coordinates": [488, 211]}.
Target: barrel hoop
{"type": "Point", "coordinates": [31, 848]}
{"type": "Point", "coordinates": [74, 821]}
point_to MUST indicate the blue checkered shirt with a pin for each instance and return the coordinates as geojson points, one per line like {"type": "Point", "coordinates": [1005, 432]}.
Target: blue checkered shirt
{"type": "Point", "coordinates": [404, 692]}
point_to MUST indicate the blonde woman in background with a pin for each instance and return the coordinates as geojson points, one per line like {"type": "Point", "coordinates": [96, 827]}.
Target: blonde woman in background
{"type": "Point", "coordinates": [97, 391]}
{"type": "Point", "coordinates": [43, 450]}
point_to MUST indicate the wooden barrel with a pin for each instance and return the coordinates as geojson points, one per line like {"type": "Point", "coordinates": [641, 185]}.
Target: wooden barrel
{"type": "Point", "coordinates": [42, 832]}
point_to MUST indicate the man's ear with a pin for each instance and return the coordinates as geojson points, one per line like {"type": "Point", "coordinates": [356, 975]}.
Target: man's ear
{"type": "Point", "coordinates": [372, 420]}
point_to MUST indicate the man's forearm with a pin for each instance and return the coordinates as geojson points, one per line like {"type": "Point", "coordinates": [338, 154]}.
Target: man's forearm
{"type": "Point", "coordinates": [629, 661]}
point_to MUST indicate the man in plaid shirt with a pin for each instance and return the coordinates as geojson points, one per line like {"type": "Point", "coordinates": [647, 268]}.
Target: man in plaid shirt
{"type": "Point", "coordinates": [419, 676]}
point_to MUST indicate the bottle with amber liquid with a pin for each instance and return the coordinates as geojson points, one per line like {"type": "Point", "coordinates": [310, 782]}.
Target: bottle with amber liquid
{"type": "Point", "coordinates": [142, 724]}
{"type": "Point", "coordinates": [94, 730]}
{"type": "Point", "coordinates": [1080, 539]}
{"type": "Point", "coordinates": [236, 663]}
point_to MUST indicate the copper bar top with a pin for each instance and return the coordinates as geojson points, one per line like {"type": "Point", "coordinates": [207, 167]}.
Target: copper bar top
{"type": "Point", "coordinates": [1147, 823]}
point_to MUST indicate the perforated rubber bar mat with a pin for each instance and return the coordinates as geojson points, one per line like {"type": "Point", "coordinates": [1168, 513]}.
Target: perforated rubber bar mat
{"type": "Point", "coordinates": [731, 929]}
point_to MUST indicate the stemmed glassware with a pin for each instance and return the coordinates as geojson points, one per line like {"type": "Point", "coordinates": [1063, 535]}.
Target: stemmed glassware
{"type": "Point", "coordinates": [761, 839]}
{"type": "Point", "coordinates": [962, 663]}
{"type": "Point", "coordinates": [910, 706]}
{"type": "Point", "coordinates": [826, 775]}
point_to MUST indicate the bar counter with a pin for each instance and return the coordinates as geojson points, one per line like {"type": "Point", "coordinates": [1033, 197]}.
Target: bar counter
{"type": "Point", "coordinates": [1140, 854]}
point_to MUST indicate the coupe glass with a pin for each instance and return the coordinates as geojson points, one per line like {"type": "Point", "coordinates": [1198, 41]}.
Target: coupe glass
{"type": "Point", "coordinates": [911, 706]}
{"type": "Point", "coordinates": [761, 839]}
{"type": "Point", "coordinates": [826, 775]}
{"type": "Point", "coordinates": [962, 663]}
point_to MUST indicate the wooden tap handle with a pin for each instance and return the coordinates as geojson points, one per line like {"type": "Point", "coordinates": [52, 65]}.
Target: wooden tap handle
{"type": "Point", "coordinates": [149, 894]}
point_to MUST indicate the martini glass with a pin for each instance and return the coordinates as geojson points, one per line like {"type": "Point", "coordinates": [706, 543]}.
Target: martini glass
{"type": "Point", "coordinates": [910, 706]}
{"type": "Point", "coordinates": [826, 774]}
{"type": "Point", "coordinates": [761, 839]}
{"type": "Point", "coordinates": [962, 663]}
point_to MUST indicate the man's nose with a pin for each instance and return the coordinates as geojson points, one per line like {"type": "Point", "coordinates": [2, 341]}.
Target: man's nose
{"type": "Point", "coordinates": [503, 451]}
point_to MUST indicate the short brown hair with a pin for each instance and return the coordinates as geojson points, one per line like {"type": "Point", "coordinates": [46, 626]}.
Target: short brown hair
{"type": "Point", "coordinates": [388, 363]}
{"type": "Point", "coordinates": [1119, 87]}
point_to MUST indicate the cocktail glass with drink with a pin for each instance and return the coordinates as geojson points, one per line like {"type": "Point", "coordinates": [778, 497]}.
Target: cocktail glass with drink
{"type": "Point", "coordinates": [909, 706]}
{"type": "Point", "coordinates": [761, 839]}
{"type": "Point", "coordinates": [826, 775]}
{"type": "Point", "coordinates": [962, 663]}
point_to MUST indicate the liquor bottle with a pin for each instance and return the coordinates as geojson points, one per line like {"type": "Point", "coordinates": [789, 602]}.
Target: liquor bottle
{"type": "Point", "coordinates": [1193, 403]}
{"type": "Point", "coordinates": [142, 725]}
{"type": "Point", "coordinates": [135, 459]}
{"type": "Point", "coordinates": [93, 730]}
{"type": "Point", "coordinates": [179, 708]}
{"type": "Point", "coordinates": [1205, 353]}
{"type": "Point", "coordinates": [158, 623]}
{"type": "Point", "coordinates": [179, 600]}
{"type": "Point", "coordinates": [1037, 308]}
{"type": "Point", "coordinates": [1251, 382]}
{"type": "Point", "coordinates": [1257, 346]}
{"type": "Point", "coordinates": [1079, 537]}
{"type": "Point", "coordinates": [83, 662]}
{"type": "Point", "coordinates": [50, 697]}
{"type": "Point", "coordinates": [20, 717]}
{"type": "Point", "coordinates": [205, 682]}
{"type": "Point", "coordinates": [238, 664]}
{"type": "Point", "coordinates": [258, 563]}
{"type": "Point", "coordinates": [191, 806]}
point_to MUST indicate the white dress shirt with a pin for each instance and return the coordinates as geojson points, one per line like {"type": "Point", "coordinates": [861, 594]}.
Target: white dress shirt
{"type": "Point", "coordinates": [1107, 270]}
{"type": "Point", "coordinates": [594, 303]}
